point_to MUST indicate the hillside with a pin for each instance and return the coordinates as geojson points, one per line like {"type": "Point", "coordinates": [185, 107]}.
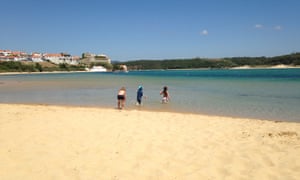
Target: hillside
{"type": "Point", "coordinates": [291, 60]}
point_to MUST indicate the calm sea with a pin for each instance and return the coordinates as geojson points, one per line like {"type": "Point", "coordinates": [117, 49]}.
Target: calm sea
{"type": "Point", "coordinates": [272, 94]}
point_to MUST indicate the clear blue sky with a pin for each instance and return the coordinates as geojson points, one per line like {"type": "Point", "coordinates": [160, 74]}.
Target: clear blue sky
{"type": "Point", "coordinates": [152, 29]}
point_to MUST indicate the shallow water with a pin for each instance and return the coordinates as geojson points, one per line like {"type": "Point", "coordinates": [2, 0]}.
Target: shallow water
{"type": "Point", "coordinates": [272, 94]}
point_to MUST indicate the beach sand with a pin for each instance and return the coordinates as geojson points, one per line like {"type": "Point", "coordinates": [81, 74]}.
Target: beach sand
{"type": "Point", "coordinates": [56, 142]}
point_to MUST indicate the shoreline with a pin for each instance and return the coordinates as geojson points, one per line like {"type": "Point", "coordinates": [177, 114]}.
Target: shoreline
{"type": "Point", "coordinates": [280, 66]}
{"type": "Point", "coordinates": [141, 109]}
{"type": "Point", "coordinates": [44, 72]}
{"type": "Point", "coordinates": [58, 142]}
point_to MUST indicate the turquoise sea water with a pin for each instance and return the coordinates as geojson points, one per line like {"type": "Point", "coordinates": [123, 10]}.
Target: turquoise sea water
{"type": "Point", "coordinates": [272, 94]}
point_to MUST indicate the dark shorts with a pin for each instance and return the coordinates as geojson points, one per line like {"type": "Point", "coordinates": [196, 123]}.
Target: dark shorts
{"type": "Point", "coordinates": [121, 97]}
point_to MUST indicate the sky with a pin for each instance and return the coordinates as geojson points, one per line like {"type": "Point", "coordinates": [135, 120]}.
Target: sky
{"type": "Point", "coordinates": [152, 29]}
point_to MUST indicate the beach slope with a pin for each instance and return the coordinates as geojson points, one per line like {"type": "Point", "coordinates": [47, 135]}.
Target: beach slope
{"type": "Point", "coordinates": [56, 142]}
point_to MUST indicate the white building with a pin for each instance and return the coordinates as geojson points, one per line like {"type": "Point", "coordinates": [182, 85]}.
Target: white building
{"type": "Point", "coordinates": [5, 53]}
{"type": "Point", "coordinates": [36, 57]}
{"type": "Point", "coordinates": [61, 58]}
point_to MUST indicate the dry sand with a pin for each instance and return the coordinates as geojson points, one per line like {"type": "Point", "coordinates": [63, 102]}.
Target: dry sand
{"type": "Point", "coordinates": [51, 142]}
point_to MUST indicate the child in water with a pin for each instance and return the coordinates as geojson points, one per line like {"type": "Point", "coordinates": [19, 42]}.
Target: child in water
{"type": "Point", "coordinates": [165, 95]}
{"type": "Point", "coordinates": [139, 95]}
{"type": "Point", "coordinates": [121, 98]}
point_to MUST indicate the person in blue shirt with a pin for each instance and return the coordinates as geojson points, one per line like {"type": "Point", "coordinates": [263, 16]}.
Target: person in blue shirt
{"type": "Point", "coordinates": [139, 95]}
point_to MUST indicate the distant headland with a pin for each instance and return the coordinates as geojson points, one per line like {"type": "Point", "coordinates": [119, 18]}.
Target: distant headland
{"type": "Point", "coordinates": [17, 61]}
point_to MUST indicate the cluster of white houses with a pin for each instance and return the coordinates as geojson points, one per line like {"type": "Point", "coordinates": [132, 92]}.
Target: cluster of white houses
{"type": "Point", "coordinates": [58, 58]}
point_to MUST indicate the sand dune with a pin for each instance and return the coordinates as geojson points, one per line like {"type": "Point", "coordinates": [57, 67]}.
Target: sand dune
{"type": "Point", "coordinates": [52, 142]}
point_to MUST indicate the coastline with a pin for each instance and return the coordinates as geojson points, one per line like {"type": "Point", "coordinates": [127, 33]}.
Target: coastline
{"type": "Point", "coordinates": [44, 72]}
{"type": "Point", "coordinates": [280, 66]}
{"type": "Point", "coordinates": [63, 142]}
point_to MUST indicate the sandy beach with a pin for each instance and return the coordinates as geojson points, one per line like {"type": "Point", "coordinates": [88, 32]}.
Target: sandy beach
{"type": "Point", "coordinates": [56, 142]}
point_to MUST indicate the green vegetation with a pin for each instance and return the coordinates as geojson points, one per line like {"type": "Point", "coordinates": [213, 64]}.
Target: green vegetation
{"type": "Point", "coordinates": [13, 66]}
{"type": "Point", "coordinates": [292, 59]}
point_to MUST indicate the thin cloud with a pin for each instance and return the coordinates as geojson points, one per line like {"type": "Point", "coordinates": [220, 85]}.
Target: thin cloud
{"type": "Point", "coordinates": [204, 32]}
{"type": "Point", "coordinates": [258, 26]}
{"type": "Point", "coordinates": [278, 28]}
